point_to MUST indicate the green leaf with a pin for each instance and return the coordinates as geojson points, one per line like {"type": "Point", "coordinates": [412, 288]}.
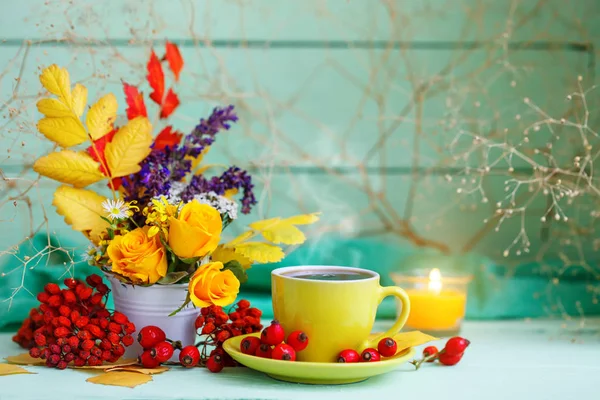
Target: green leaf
{"type": "Point", "coordinates": [237, 269]}
{"type": "Point", "coordinates": [185, 303]}
{"type": "Point", "coordinates": [172, 277]}
{"type": "Point", "coordinates": [191, 260]}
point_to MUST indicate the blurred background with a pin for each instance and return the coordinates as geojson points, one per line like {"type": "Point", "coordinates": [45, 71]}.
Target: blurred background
{"type": "Point", "coordinates": [457, 134]}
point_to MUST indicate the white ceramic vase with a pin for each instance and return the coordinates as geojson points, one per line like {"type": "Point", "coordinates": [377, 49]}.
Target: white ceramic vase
{"type": "Point", "coordinates": [151, 306]}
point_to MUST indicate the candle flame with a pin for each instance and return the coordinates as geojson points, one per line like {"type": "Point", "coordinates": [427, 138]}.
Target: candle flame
{"type": "Point", "coordinates": [435, 280]}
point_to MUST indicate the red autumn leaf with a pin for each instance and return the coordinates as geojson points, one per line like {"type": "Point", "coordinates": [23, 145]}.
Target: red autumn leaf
{"type": "Point", "coordinates": [167, 137]}
{"type": "Point", "coordinates": [115, 183]}
{"type": "Point", "coordinates": [96, 150]}
{"type": "Point", "coordinates": [156, 78]}
{"type": "Point", "coordinates": [170, 104]}
{"type": "Point", "coordinates": [174, 58]}
{"type": "Point", "coordinates": [135, 102]}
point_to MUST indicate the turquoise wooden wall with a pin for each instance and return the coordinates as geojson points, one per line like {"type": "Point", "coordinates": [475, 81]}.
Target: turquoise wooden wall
{"type": "Point", "coordinates": [347, 107]}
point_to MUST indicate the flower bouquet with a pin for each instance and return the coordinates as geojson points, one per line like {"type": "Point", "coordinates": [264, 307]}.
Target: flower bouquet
{"type": "Point", "coordinates": [155, 229]}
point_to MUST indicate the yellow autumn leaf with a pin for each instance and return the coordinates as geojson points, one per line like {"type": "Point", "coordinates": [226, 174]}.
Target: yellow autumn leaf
{"type": "Point", "coordinates": [66, 131]}
{"type": "Point", "coordinates": [404, 340]}
{"type": "Point", "coordinates": [11, 369]}
{"type": "Point", "coordinates": [76, 168]}
{"type": "Point", "coordinates": [120, 378]}
{"type": "Point", "coordinates": [82, 210]}
{"type": "Point", "coordinates": [121, 362]}
{"type": "Point", "coordinates": [24, 359]}
{"type": "Point", "coordinates": [241, 238]}
{"type": "Point", "coordinates": [225, 254]}
{"type": "Point", "coordinates": [79, 99]}
{"type": "Point", "coordinates": [56, 80]}
{"type": "Point", "coordinates": [260, 252]}
{"type": "Point", "coordinates": [265, 224]}
{"type": "Point", "coordinates": [54, 108]}
{"type": "Point", "coordinates": [129, 147]}
{"type": "Point", "coordinates": [303, 219]}
{"type": "Point", "coordinates": [101, 116]}
{"type": "Point", "coordinates": [140, 370]}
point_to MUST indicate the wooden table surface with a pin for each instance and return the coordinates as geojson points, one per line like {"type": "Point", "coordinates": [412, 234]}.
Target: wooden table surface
{"type": "Point", "coordinates": [507, 360]}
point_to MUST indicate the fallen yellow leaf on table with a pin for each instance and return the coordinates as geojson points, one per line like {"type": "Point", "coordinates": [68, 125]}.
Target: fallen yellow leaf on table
{"type": "Point", "coordinates": [411, 339]}
{"type": "Point", "coordinates": [24, 359]}
{"type": "Point", "coordinates": [121, 363]}
{"type": "Point", "coordinates": [139, 369]}
{"type": "Point", "coordinates": [10, 369]}
{"type": "Point", "coordinates": [120, 378]}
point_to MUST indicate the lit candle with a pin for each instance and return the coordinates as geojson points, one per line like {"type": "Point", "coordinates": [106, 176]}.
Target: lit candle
{"type": "Point", "coordinates": [437, 304]}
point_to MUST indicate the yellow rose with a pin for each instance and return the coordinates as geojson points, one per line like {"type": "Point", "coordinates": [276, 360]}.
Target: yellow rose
{"type": "Point", "coordinates": [138, 257]}
{"type": "Point", "coordinates": [196, 231]}
{"type": "Point", "coordinates": [210, 285]}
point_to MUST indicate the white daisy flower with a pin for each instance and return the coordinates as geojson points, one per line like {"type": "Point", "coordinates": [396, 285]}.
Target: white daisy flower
{"type": "Point", "coordinates": [116, 209]}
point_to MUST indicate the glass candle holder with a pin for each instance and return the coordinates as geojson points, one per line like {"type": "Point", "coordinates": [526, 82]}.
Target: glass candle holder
{"type": "Point", "coordinates": [437, 303]}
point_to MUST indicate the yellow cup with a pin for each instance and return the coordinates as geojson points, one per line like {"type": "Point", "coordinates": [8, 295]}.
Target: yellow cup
{"type": "Point", "coordinates": [335, 314]}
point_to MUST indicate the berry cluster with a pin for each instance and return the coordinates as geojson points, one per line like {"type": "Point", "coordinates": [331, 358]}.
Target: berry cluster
{"type": "Point", "coordinates": [386, 347]}
{"type": "Point", "coordinates": [271, 343]}
{"type": "Point", "coordinates": [73, 325]}
{"type": "Point", "coordinates": [215, 327]}
{"type": "Point", "coordinates": [451, 354]}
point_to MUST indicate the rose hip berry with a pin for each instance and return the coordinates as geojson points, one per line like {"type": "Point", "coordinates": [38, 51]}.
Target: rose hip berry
{"type": "Point", "coordinates": [162, 351]}
{"type": "Point", "coordinates": [273, 334]}
{"type": "Point", "coordinates": [283, 352]}
{"type": "Point", "coordinates": [387, 347]}
{"type": "Point", "coordinates": [147, 361]}
{"type": "Point", "coordinates": [151, 335]}
{"type": "Point", "coordinates": [370, 355]}
{"type": "Point", "coordinates": [189, 356]}
{"type": "Point", "coordinates": [249, 345]}
{"type": "Point", "coordinates": [430, 351]}
{"type": "Point", "coordinates": [449, 359]}
{"type": "Point", "coordinates": [215, 363]}
{"type": "Point", "coordinates": [298, 340]}
{"type": "Point", "coordinates": [348, 356]}
{"type": "Point", "coordinates": [264, 351]}
{"type": "Point", "coordinates": [456, 345]}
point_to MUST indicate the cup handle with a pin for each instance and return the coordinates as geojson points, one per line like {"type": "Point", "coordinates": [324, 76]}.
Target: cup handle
{"type": "Point", "coordinates": [403, 297]}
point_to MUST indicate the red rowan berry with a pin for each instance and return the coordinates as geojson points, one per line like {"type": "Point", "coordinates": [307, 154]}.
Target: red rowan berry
{"type": "Point", "coordinates": [96, 299]}
{"type": "Point", "coordinates": [53, 359]}
{"type": "Point", "coordinates": [39, 339]}
{"type": "Point", "coordinates": [66, 348]}
{"type": "Point", "coordinates": [243, 304]}
{"type": "Point", "coordinates": [204, 311]}
{"type": "Point", "coordinates": [85, 293]}
{"type": "Point", "coordinates": [255, 312]}
{"type": "Point", "coordinates": [75, 315]}
{"type": "Point", "coordinates": [55, 301]}
{"type": "Point", "coordinates": [73, 341]}
{"type": "Point", "coordinates": [64, 311]}
{"type": "Point", "coordinates": [248, 329]}
{"type": "Point", "coordinates": [87, 344]}
{"type": "Point", "coordinates": [62, 364]}
{"type": "Point", "coordinates": [102, 288]}
{"type": "Point", "coordinates": [93, 280]}
{"type": "Point", "coordinates": [221, 318]}
{"type": "Point", "coordinates": [234, 315]}
{"type": "Point", "coordinates": [61, 331]}
{"type": "Point", "coordinates": [113, 338]}
{"type": "Point", "coordinates": [118, 350]}
{"type": "Point", "coordinates": [84, 354]}
{"type": "Point", "coordinates": [35, 352]}
{"type": "Point", "coordinates": [83, 335]}
{"type": "Point", "coordinates": [102, 313]}
{"type": "Point", "coordinates": [43, 297]}
{"type": "Point", "coordinates": [69, 296]}
{"type": "Point", "coordinates": [106, 355]}
{"type": "Point", "coordinates": [81, 322]}
{"type": "Point", "coordinates": [52, 288]}
{"type": "Point", "coordinates": [103, 323]}
{"type": "Point", "coordinates": [105, 344]}
{"type": "Point", "coordinates": [114, 327]}
{"type": "Point", "coordinates": [94, 361]}
{"type": "Point", "coordinates": [119, 318]}
{"type": "Point", "coordinates": [64, 321]}
{"type": "Point", "coordinates": [96, 351]}
{"type": "Point", "coordinates": [70, 283]}
{"type": "Point", "coordinates": [127, 340]}
{"type": "Point", "coordinates": [96, 331]}
{"type": "Point", "coordinates": [69, 357]}
{"type": "Point", "coordinates": [208, 328]}
{"type": "Point", "coordinates": [79, 362]}
{"type": "Point", "coordinates": [223, 336]}
{"type": "Point", "coordinates": [199, 322]}
{"type": "Point", "coordinates": [129, 328]}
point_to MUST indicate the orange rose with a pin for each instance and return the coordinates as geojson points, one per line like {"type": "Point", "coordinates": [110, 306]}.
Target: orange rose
{"type": "Point", "coordinates": [196, 231]}
{"type": "Point", "coordinates": [211, 285]}
{"type": "Point", "coordinates": [138, 257]}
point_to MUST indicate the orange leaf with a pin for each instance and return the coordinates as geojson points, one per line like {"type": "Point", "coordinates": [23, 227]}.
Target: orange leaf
{"type": "Point", "coordinates": [174, 58]}
{"type": "Point", "coordinates": [135, 101]}
{"type": "Point", "coordinates": [167, 137]}
{"type": "Point", "coordinates": [120, 378]}
{"type": "Point", "coordinates": [96, 150]}
{"type": "Point", "coordinates": [156, 78]}
{"type": "Point", "coordinates": [24, 359]}
{"type": "Point", "coordinates": [170, 104]}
